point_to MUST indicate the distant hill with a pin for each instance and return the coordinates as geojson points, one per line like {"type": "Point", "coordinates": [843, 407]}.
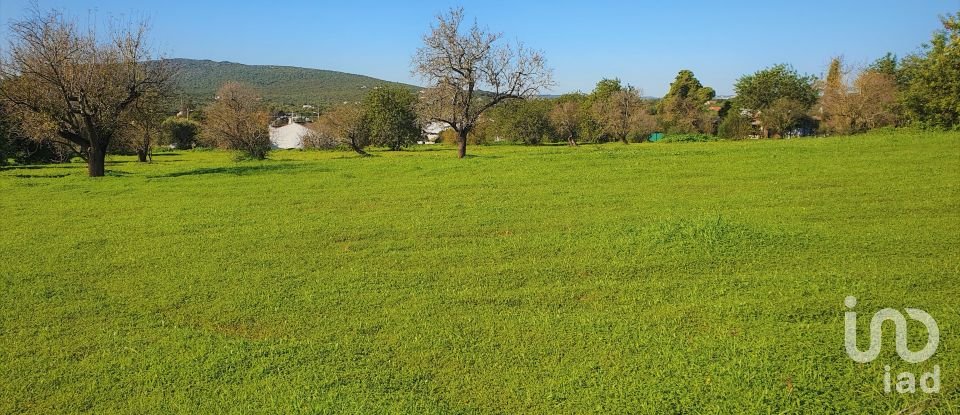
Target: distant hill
{"type": "Point", "coordinates": [200, 79]}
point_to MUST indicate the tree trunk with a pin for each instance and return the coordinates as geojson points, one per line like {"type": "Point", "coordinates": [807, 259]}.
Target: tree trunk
{"type": "Point", "coordinates": [97, 155]}
{"type": "Point", "coordinates": [143, 154]}
{"type": "Point", "coordinates": [461, 144]}
{"type": "Point", "coordinates": [356, 147]}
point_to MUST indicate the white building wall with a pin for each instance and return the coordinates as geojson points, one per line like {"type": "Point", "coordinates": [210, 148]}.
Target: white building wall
{"type": "Point", "coordinates": [288, 136]}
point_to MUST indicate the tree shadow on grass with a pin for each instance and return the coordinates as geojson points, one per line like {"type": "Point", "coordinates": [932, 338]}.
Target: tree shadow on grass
{"type": "Point", "coordinates": [42, 166]}
{"type": "Point", "coordinates": [40, 176]}
{"type": "Point", "coordinates": [355, 156]}
{"type": "Point", "coordinates": [234, 170]}
{"type": "Point", "coordinates": [432, 147]}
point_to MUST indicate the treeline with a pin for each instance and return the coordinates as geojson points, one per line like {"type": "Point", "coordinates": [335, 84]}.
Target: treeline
{"type": "Point", "coordinates": [65, 93]}
{"type": "Point", "coordinates": [922, 90]}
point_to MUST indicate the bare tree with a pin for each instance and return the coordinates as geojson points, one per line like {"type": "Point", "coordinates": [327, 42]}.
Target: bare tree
{"type": "Point", "coordinates": [145, 125]}
{"type": "Point", "coordinates": [870, 101]}
{"type": "Point", "coordinates": [238, 121]}
{"type": "Point", "coordinates": [469, 73]}
{"type": "Point", "coordinates": [565, 119]}
{"type": "Point", "coordinates": [621, 113]}
{"type": "Point", "coordinates": [835, 99]}
{"type": "Point", "coordinates": [319, 137]}
{"type": "Point", "coordinates": [74, 87]}
{"type": "Point", "coordinates": [875, 103]}
{"type": "Point", "coordinates": [347, 124]}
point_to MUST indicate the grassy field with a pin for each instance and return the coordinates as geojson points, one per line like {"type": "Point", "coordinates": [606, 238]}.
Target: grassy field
{"type": "Point", "coordinates": [644, 278]}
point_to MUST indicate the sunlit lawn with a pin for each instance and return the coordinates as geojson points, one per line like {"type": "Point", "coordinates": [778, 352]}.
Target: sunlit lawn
{"type": "Point", "coordinates": [644, 278]}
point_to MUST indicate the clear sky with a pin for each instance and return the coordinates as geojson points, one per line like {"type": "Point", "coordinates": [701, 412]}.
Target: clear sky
{"type": "Point", "coordinates": [644, 43]}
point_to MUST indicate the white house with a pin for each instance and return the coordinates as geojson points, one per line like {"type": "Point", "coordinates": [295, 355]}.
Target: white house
{"type": "Point", "coordinates": [432, 131]}
{"type": "Point", "coordinates": [288, 136]}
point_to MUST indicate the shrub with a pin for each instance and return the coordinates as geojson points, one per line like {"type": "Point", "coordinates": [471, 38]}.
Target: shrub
{"type": "Point", "coordinates": [447, 136]}
{"type": "Point", "coordinates": [237, 121]}
{"type": "Point", "coordinates": [15, 146]}
{"type": "Point", "coordinates": [735, 126]}
{"type": "Point", "coordinates": [321, 140]}
{"type": "Point", "coordinates": [180, 132]}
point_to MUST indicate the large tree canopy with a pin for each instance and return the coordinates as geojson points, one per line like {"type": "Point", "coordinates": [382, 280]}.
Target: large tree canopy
{"type": "Point", "coordinates": [391, 112]}
{"type": "Point", "coordinates": [932, 94]}
{"type": "Point", "coordinates": [623, 114]}
{"type": "Point", "coordinates": [683, 109]}
{"type": "Point", "coordinates": [70, 86]}
{"type": "Point", "coordinates": [778, 94]}
{"type": "Point", "coordinates": [760, 90]}
{"type": "Point", "coordinates": [526, 122]}
{"type": "Point", "coordinates": [469, 72]}
{"type": "Point", "coordinates": [605, 87]}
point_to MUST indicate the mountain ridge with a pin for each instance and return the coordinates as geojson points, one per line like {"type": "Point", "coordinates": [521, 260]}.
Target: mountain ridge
{"type": "Point", "coordinates": [199, 79]}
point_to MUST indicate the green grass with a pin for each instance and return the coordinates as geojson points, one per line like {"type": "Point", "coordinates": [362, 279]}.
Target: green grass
{"type": "Point", "coordinates": [644, 278]}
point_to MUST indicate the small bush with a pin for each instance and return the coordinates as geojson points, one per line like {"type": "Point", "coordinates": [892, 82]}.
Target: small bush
{"type": "Point", "coordinates": [447, 136]}
{"type": "Point", "coordinates": [638, 137]}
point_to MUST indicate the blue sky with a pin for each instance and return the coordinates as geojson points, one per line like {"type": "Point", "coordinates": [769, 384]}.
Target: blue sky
{"type": "Point", "coordinates": [642, 43]}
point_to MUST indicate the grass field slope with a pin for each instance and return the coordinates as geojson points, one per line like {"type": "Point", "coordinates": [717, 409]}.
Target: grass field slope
{"type": "Point", "coordinates": [200, 79]}
{"type": "Point", "coordinates": [645, 278]}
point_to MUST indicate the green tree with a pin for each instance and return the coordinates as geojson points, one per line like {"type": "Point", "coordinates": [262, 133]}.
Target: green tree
{"type": "Point", "coordinates": [605, 88]}
{"type": "Point", "coordinates": [735, 125]}
{"type": "Point", "coordinates": [682, 110]}
{"type": "Point", "coordinates": [932, 93]}
{"type": "Point", "coordinates": [887, 64]}
{"type": "Point", "coordinates": [180, 132]}
{"type": "Point", "coordinates": [759, 91]}
{"type": "Point", "coordinates": [392, 117]}
{"type": "Point", "coordinates": [8, 137]}
{"type": "Point", "coordinates": [525, 122]}
{"type": "Point", "coordinates": [593, 128]}
{"type": "Point", "coordinates": [783, 114]}
{"type": "Point", "coordinates": [590, 128]}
